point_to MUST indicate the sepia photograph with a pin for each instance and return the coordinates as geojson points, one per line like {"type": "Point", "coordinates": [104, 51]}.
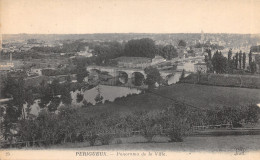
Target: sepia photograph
{"type": "Point", "coordinates": [129, 79]}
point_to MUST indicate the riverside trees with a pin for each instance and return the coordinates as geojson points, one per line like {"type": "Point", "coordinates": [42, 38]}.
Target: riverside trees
{"type": "Point", "coordinates": [153, 76]}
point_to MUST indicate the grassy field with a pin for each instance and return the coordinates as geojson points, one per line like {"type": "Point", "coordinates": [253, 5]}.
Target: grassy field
{"type": "Point", "coordinates": [235, 80]}
{"type": "Point", "coordinates": [213, 144]}
{"type": "Point", "coordinates": [202, 96]}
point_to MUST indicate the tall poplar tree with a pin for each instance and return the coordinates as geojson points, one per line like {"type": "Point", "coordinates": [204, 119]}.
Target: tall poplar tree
{"type": "Point", "coordinates": [250, 57]}
{"type": "Point", "coordinates": [236, 60]}
{"type": "Point", "coordinates": [244, 60]}
{"type": "Point", "coordinates": [240, 59]}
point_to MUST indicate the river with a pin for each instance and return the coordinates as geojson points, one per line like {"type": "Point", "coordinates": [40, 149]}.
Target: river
{"type": "Point", "coordinates": [109, 93]}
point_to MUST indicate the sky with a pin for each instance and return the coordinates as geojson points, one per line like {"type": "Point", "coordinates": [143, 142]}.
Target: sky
{"type": "Point", "coordinates": [129, 16]}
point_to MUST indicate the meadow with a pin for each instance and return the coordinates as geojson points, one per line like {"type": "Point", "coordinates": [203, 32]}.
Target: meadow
{"type": "Point", "coordinates": [199, 96]}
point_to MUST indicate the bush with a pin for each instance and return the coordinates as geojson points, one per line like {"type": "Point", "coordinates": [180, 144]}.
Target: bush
{"type": "Point", "coordinates": [175, 134]}
{"type": "Point", "coordinates": [92, 139]}
{"type": "Point", "coordinates": [252, 113]}
{"type": "Point", "coordinates": [118, 141]}
{"type": "Point", "coordinates": [80, 97]}
{"type": "Point", "coordinates": [105, 139]}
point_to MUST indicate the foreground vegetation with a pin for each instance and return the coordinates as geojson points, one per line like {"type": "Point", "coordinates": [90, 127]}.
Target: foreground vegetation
{"type": "Point", "coordinates": [211, 143]}
{"type": "Point", "coordinates": [174, 121]}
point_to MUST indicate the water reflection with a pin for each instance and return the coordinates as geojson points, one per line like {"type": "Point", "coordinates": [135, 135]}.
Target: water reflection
{"type": "Point", "coordinates": [109, 93]}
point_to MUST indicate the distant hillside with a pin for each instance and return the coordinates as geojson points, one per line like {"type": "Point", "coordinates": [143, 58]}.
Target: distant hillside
{"type": "Point", "coordinates": [172, 37]}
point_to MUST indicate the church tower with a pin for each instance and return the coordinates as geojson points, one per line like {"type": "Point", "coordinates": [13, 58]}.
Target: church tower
{"type": "Point", "coordinates": [202, 37]}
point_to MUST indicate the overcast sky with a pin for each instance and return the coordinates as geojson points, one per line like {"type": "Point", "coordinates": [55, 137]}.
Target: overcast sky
{"type": "Point", "coordinates": [124, 16]}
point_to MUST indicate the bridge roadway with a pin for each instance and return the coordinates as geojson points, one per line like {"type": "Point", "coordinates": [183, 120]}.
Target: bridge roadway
{"type": "Point", "coordinates": [115, 71]}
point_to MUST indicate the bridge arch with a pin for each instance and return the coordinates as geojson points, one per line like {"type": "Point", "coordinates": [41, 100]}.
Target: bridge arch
{"type": "Point", "coordinates": [137, 78]}
{"type": "Point", "coordinates": [122, 77]}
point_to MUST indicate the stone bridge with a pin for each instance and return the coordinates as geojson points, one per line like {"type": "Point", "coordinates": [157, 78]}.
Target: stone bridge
{"type": "Point", "coordinates": [115, 71]}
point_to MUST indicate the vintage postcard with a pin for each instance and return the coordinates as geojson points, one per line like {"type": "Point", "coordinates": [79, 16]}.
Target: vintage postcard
{"type": "Point", "coordinates": [129, 79]}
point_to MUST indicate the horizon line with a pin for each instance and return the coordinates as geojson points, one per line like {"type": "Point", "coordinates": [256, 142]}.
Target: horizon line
{"type": "Point", "coordinates": [132, 33]}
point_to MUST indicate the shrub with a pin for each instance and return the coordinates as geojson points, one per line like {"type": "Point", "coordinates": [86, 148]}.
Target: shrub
{"type": "Point", "coordinates": [118, 141]}
{"type": "Point", "coordinates": [92, 139]}
{"type": "Point", "coordinates": [252, 113]}
{"type": "Point", "coordinates": [80, 97]}
{"type": "Point", "coordinates": [175, 134]}
{"type": "Point", "coordinates": [105, 139]}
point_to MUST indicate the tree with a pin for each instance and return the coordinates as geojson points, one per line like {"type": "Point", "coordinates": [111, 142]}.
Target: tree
{"type": "Point", "coordinates": [250, 57]}
{"type": "Point", "coordinates": [68, 78]}
{"type": "Point", "coordinates": [252, 113]}
{"type": "Point", "coordinates": [230, 67]}
{"type": "Point", "coordinates": [140, 48]}
{"type": "Point", "coordinates": [152, 76]}
{"type": "Point", "coordinates": [138, 78]}
{"type": "Point", "coordinates": [219, 63]}
{"type": "Point", "coordinates": [208, 61]}
{"type": "Point", "coordinates": [98, 97]}
{"type": "Point", "coordinates": [253, 67]}
{"type": "Point", "coordinates": [70, 123]}
{"type": "Point", "coordinates": [51, 95]}
{"type": "Point", "coordinates": [182, 43]}
{"type": "Point", "coordinates": [182, 75]}
{"type": "Point", "coordinates": [209, 53]}
{"type": "Point", "coordinates": [81, 74]}
{"type": "Point", "coordinates": [240, 59]}
{"type": "Point", "coordinates": [80, 97]}
{"type": "Point", "coordinates": [65, 95]}
{"type": "Point", "coordinates": [229, 55]}
{"type": "Point", "coordinates": [244, 60]}
{"type": "Point", "coordinates": [168, 52]}
{"type": "Point", "coordinates": [14, 87]}
{"type": "Point", "coordinates": [236, 60]}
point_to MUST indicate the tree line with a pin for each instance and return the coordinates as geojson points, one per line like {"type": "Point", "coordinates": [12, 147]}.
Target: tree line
{"type": "Point", "coordinates": [220, 64]}
{"type": "Point", "coordinates": [175, 122]}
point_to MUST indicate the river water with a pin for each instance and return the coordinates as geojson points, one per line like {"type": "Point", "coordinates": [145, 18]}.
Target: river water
{"type": "Point", "coordinates": [109, 93]}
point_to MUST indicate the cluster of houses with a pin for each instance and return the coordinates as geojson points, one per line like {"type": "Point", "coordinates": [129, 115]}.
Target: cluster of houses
{"type": "Point", "coordinates": [190, 64]}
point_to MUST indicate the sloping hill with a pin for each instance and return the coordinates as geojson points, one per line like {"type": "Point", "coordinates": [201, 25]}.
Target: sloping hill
{"type": "Point", "coordinates": [201, 96]}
